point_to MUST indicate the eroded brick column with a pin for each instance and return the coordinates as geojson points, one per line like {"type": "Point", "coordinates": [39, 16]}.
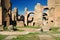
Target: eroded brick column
{"type": "Point", "coordinates": [1, 27]}
{"type": "Point", "coordinates": [0, 15]}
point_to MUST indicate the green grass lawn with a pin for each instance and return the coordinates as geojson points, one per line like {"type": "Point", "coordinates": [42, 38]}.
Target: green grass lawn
{"type": "Point", "coordinates": [30, 36]}
{"type": "Point", "coordinates": [2, 37]}
{"type": "Point", "coordinates": [34, 36]}
{"type": "Point", "coordinates": [57, 38]}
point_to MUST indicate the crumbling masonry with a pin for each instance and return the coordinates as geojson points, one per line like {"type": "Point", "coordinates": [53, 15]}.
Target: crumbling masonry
{"type": "Point", "coordinates": [42, 16]}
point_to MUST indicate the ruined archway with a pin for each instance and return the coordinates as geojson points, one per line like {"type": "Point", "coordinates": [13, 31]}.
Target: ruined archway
{"type": "Point", "coordinates": [30, 18]}
{"type": "Point", "coordinates": [45, 16]}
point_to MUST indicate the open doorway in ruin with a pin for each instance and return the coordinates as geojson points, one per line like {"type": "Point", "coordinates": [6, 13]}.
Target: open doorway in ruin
{"type": "Point", "coordinates": [45, 16]}
{"type": "Point", "coordinates": [30, 18]}
{"type": "Point", "coordinates": [4, 23]}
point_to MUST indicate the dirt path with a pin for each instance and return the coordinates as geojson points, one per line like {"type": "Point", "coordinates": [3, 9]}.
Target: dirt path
{"type": "Point", "coordinates": [30, 29]}
{"type": "Point", "coordinates": [14, 33]}
{"type": "Point", "coordinates": [42, 37]}
{"type": "Point", "coordinates": [26, 31]}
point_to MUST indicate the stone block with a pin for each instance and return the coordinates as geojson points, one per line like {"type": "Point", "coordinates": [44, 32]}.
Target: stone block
{"type": "Point", "coordinates": [10, 27]}
{"type": "Point", "coordinates": [1, 28]}
{"type": "Point", "coordinates": [20, 24]}
{"type": "Point", "coordinates": [45, 28]}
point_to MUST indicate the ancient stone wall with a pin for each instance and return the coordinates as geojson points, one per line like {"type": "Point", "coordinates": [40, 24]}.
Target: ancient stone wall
{"type": "Point", "coordinates": [20, 24]}
{"type": "Point", "coordinates": [38, 15]}
{"type": "Point", "coordinates": [7, 2]}
{"type": "Point", "coordinates": [6, 12]}
{"type": "Point", "coordinates": [54, 8]}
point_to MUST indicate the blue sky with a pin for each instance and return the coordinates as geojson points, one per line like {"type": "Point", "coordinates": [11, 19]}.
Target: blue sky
{"type": "Point", "coordinates": [30, 4]}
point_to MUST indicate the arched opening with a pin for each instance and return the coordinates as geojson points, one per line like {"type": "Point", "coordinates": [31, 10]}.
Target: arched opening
{"type": "Point", "coordinates": [30, 17]}
{"type": "Point", "coordinates": [44, 14]}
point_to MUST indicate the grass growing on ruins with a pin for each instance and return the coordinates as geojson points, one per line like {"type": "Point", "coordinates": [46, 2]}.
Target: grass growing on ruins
{"type": "Point", "coordinates": [33, 36]}
{"type": "Point", "coordinates": [32, 27]}
{"type": "Point", "coordinates": [2, 37]}
{"type": "Point", "coordinates": [6, 29]}
{"type": "Point", "coordinates": [30, 36]}
{"type": "Point", "coordinates": [29, 27]}
{"type": "Point", "coordinates": [57, 38]}
{"type": "Point", "coordinates": [55, 30]}
{"type": "Point", "coordinates": [20, 30]}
